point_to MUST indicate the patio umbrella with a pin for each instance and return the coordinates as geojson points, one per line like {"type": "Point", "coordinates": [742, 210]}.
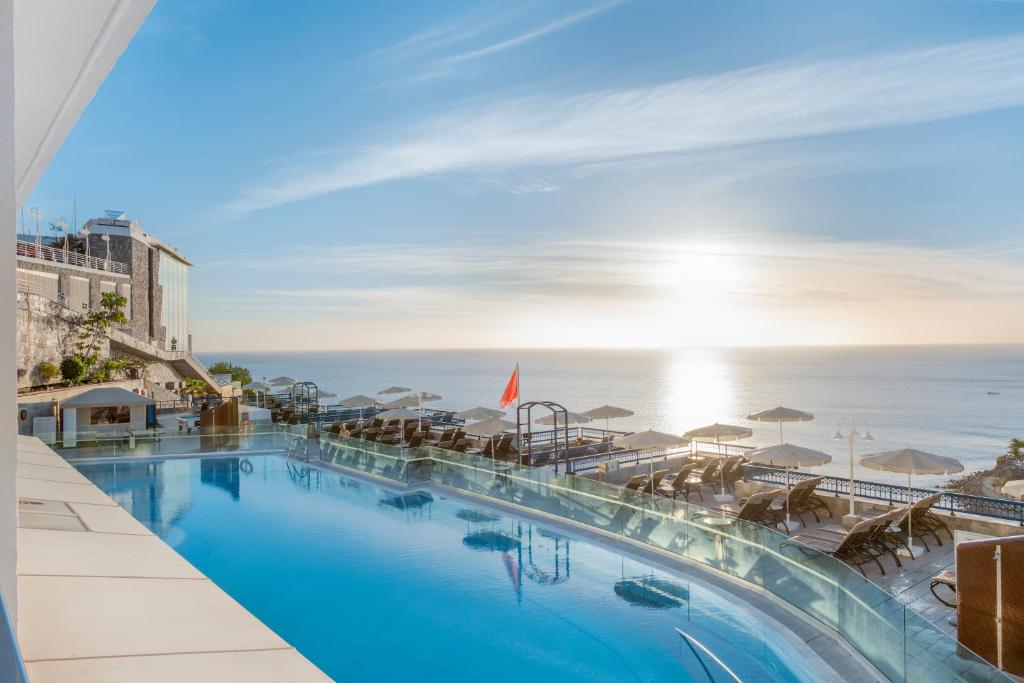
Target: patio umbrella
{"type": "Point", "coordinates": [326, 394]}
{"type": "Point", "coordinates": [650, 439]}
{"type": "Point", "coordinates": [493, 425]}
{"type": "Point", "coordinates": [394, 390]}
{"type": "Point", "coordinates": [283, 381]}
{"type": "Point", "coordinates": [1014, 489]}
{"type": "Point", "coordinates": [571, 418]}
{"type": "Point", "coordinates": [479, 413]}
{"type": "Point", "coordinates": [720, 433]}
{"type": "Point", "coordinates": [490, 427]}
{"type": "Point", "coordinates": [791, 457]}
{"type": "Point", "coordinates": [607, 413]}
{"type": "Point", "coordinates": [358, 401]}
{"type": "Point", "coordinates": [256, 386]}
{"type": "Point", "coordinates": [781, 415]}
{"type": "Point", "coordinates": [911, 461]}
{"type": "Point", "coordinates": [402, 414]}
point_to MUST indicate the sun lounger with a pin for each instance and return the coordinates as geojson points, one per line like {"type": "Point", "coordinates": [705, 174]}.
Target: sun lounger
{"type": "Point", "coordinates": [808, 501]}
{"type": "Point", "coordinates": [945, 578]}
{"type": "Point", "coordinates": [923, 521]}
{"type": "Point", "coordinates": [655, 481]}
{"type": "Point", "coordinates": [757, 509]}
{"type": "Point", "coordinates": [635, 482]}
{"type": "Point", "coordinates": [682, 484]}
{"type": "Point", "coordinates": [732, 471]}
{"type": "Point", "coordinates": [853, 548]}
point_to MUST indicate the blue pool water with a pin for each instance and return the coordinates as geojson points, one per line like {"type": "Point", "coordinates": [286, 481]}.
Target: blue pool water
{"type": "Point", "coordinates": [374, 584]}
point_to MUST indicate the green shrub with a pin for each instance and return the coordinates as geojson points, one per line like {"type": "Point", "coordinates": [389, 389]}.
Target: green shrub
{"type": "Point", "coordinates": [72, 369]}
{"type": "Point", "coordinates": [48, 371]}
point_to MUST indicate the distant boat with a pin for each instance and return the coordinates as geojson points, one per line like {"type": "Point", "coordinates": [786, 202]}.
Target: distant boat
{"type": "Point", "coordinates": [993, 393]}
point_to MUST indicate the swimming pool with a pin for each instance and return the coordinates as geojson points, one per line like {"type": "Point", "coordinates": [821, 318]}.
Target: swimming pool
{"type": "Point", "coordinates": [371, 583]}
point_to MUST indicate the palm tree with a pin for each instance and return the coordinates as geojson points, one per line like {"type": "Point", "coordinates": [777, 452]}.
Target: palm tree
{"type": "Point", "coordinates": [1015, 450]}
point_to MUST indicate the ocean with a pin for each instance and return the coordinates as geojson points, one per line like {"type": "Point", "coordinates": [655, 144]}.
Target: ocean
{"type": "Point", "coordinates": [930, 397]}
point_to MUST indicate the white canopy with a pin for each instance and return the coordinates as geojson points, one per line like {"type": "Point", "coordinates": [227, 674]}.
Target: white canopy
{"type": "Point", "coordinates": [607, 412]}
{"type": "Point", "coordinates": [911, 461]}
{"type": "Point", "coordinates": [569, 418]}
{"type": "Point", "coordinates": [479, 413]}
{"type": "Point", "coordinates": [358, 401]}
{"type": "Point", "coordinates": [494, 425]}
{"type": "Point", "coordinates": [788, 455]}
{"type": "Point", "coordinates": [256, 386]}
{"type": "Point", "coordinates": [106, 397]}
{"type": "Point", "coordinates": [400, 414]}
{"type": "Point", "coordinates": [651, 439]}
{"type": "Point", "coordinates": [719, 432]}
{"type": "Point", "coordinates": [1014, 489]}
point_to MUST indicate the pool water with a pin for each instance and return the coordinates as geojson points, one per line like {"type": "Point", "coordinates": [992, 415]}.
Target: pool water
{"type": "Point", "coordinates": [376, 584]}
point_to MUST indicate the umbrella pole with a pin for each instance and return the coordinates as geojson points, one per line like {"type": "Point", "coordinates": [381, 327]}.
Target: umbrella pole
{"type": "Point", "coordinates": [910, 518]}
{"type": "Point", "coordinates": [780, 432]}
{"type": "Point", "coordinates": [788, 520]}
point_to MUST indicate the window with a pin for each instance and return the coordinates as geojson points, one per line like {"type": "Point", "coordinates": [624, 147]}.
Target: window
{"type": "Point", "coordinates": [112, 415]}
{"type": "Point", "coordinates": [35, 282]}
{"type": "Point", "coordinates": [76, 289]}
{"type": "Point", "coordinates": [126, 292]}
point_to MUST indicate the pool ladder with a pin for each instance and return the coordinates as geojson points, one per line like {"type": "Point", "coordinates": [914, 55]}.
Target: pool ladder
{"type": "Point", "coordinates": [698, 648]}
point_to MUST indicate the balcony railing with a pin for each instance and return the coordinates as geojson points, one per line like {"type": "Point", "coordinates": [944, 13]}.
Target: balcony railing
{"type": "Point", "coordinates": [69, 258]}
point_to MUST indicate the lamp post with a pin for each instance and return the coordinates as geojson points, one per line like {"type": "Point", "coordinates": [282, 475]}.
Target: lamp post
{"type": "Point", "coordinates": [36, 215]}
{"type": "Point", "coordinates": [106, 240]}
{"type": "Point", "coordinates": [85, 232]}
{"type": "Point", "coordinates": [63, 225]}
{"type": "Point", "coordinates": [851, 435]}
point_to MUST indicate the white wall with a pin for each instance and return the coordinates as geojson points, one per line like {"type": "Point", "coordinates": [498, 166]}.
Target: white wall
{"type": "Point", "coordinates": [8, 363]}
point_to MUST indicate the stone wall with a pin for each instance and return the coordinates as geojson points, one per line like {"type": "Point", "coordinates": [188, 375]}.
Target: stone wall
{"type": "Point", "coordinates": [46, 332]}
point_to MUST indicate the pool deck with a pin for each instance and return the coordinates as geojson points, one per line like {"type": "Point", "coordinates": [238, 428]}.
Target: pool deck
{"type": "Point", "coordinates": [100, 598]}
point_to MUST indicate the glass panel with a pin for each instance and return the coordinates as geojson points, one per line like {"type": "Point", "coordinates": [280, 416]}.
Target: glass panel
{"type": "Point", "coordinates": [873, 621]}
{"type": "Point", "coordinates": [800, 575]}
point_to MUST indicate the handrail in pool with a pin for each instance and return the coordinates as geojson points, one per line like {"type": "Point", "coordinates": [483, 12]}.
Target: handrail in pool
{"type": "Point", "coordinates": [697, 645]}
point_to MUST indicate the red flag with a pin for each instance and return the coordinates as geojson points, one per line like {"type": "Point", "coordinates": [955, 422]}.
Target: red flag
{"type": "Point", "coordinates": [511, 389]}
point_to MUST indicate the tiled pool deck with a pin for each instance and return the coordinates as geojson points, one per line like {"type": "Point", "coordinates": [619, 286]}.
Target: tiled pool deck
{"type": "Point", "coordinates": [100, 598]}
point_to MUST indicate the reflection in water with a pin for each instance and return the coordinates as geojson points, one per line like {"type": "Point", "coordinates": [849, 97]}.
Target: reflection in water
{"type": "Point", "coordinates": [490, 540]}
{"type": "Point", "coordinates": [652, 592]}
{"type": "Point", "coordinates": [476, 516]}
{"type": "Point", "coordinates": [222, 473]}
{"type": "Point", "coordinates": [156, 493]}
{"type": "Point", "coordinates": [408, 501]}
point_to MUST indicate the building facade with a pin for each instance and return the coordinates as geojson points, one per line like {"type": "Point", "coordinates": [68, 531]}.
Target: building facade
{"type": "Point", "coordinates": [113, 254]}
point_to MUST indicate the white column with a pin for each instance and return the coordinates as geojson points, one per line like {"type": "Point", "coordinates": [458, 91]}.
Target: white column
{"type": "Point", "coordinates": [70, 426]}
{"type": "Point", "coordinates": [8, 316]}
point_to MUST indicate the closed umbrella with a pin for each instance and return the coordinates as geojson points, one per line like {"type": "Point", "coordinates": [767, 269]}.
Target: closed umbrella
{"type": "Point", "coordinates": [719, 433]}
{"type": "Point", "coordinates": [394, 390]}
{"type": "Point", "coordinates": [607, 413]}
{"type": "Point", "coordinates": [911, 461]}
{"type": "Point", "coordinates": [479, 413]}
{"type": "Point", "coordinates": [781, 415]}
{"type": "Point", "coordinates": [791, 457]}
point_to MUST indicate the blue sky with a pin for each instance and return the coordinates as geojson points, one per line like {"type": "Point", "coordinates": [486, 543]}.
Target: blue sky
{"type": "Point", "coordinates": [444, 174]}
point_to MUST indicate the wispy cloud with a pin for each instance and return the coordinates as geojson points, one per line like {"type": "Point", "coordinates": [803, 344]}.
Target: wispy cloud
{"type": "Point", "coordinates": [774, 102]}
{"type": "Point", "coordinates": [528, 36]}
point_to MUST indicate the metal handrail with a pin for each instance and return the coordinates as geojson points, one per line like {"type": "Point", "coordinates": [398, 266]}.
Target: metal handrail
{"type": "Point", "coordinates": [999, 508]}
{"type": "Point", "coordinates": [695, 645]}
{"type": "Point", "coordinates": [70, 258]}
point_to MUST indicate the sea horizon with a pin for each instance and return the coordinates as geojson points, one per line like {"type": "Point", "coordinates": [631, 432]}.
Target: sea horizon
{"type": "Point", "coordinates": [933, 397]}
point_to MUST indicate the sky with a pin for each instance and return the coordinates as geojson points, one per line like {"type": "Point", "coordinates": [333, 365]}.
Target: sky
{"type": "Point", "coordinates": [570, 174]}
